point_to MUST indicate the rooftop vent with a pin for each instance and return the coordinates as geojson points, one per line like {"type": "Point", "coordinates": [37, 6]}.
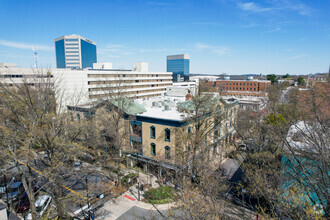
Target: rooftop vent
{"type": "Point", "coordinates": [155, 104]}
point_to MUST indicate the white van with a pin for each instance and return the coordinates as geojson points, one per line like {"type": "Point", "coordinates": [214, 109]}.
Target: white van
{"type": "Point", "coordinates": [42, 204]}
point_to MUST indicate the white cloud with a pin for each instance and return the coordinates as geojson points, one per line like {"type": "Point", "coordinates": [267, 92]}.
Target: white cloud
{"type": "Point", "coordinates": [252, 7]}
{"type": "Point", "coordinates": [222, 50]}
{"type": "Point", "coordinates": [208, 23]}
{"type": "Point", "coordinates": [274, 30]}
{"type": "Point", "coordinates": [158, 3]}
{"type": "Point", "coordinates": [298, 56]}
{"type": "Point", "coordinates": [219, 50]}
{"type": "Point", "coordinates": [201, 46]}
{"type": "Point", "coordinates": [25, 46]}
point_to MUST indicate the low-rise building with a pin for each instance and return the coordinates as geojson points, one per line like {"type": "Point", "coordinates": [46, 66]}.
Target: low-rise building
{"type": "Point", "coordinates": [182, 89]}
{"type": "Point", "coordinates": [251, 103]}
{"type": "Point", "coordinates": [249, 87]}
{"type": "Point", "coordinates": [160, 129]}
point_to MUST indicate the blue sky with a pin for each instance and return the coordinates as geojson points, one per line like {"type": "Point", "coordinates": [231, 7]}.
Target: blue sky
{"type": "Point", "coordinates": [221, 36]}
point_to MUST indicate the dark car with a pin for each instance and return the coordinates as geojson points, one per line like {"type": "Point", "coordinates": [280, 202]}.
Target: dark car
{"type": "Point", "coordinates": [23, 206]}
{"type": "Point", "coordinates": [24, 203]}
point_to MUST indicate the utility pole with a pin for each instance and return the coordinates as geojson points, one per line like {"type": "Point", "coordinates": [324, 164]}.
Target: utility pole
{"type": "Point", "coordinates": [137, 159]}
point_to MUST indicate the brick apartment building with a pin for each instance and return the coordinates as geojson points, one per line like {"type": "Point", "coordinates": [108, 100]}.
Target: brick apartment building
{"type": "Point", "coordinates": [248, 87]}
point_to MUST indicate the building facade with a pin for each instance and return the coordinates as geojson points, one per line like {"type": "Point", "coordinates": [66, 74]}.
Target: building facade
{"type": "Point", "coordinates": [179, 65]}
{"type": "Point", "coordinates": [182, 89]}
{"type": "Point", "coordinates": [87, 86]}
{"type": "Point", "coordinates": [131, 84]}
{"type": "Point", "coordinates": [74, 51]}
{"type": "Point", "coordinates": [249, 87]}
{"type": "Point", "coordinates": [159, 130]}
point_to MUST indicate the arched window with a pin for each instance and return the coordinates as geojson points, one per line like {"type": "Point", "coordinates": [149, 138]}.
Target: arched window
{"type": "Point", "coordinates": [152, 132]}
{"type": "Point", "coordinates": [153, 149]}
{"type": "Point", "coordinates": [78, 117]}
{"type": "Point", "coordinates": [167, 135]}
{"type": "Point", "coordinates": [167, 152]}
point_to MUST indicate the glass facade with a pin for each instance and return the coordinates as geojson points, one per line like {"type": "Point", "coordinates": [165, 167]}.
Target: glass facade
{"type": "Point", "coordinates": [88, 54]}
{"type": "Point", "coordinates": [179, 67]}
{"type": "Point", "coordinates": [60, 54]}
{"type": "Point", "coordinates": [74, 51]}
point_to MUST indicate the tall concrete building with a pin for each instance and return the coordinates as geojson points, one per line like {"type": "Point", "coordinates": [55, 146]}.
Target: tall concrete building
{"type": "Point", "coordinates": [179, 65]}
{"type": "Point", "coordinates": [82, 86]}
{"type": "Point", "coordinates": [74, 51]}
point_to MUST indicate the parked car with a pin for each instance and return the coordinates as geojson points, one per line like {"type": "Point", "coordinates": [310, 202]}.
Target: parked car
{"type": "Point", "coordinates": [42, 204]}
{"type": "Point", "coordinates": [77, 165]}
{"type": "Point", "coordinates": [23, 205]}
{"type": "Point", "coordinates": [14, 191]}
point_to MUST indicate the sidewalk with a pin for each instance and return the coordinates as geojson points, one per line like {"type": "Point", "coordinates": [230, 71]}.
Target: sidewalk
{"type": "Point", "coordinates": [116, 207]}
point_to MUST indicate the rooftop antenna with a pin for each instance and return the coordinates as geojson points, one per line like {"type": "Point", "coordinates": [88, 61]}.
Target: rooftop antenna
{"type": "Point", "coordinates": [35, 57]}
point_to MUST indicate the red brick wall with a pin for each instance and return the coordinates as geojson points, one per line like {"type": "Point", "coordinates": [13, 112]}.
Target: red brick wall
{"type": "Point", "coordinates": [237, 85]}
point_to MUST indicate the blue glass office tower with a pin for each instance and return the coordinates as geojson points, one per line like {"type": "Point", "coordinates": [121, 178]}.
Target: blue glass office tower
{"type": "Point", "coordinates": [179, 65]}
{"type": "Point", "coordinates": [74, 51]}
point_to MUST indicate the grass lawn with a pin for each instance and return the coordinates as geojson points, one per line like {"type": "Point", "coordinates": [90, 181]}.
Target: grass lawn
{"type": "Point", "coordinates": [160, 195]}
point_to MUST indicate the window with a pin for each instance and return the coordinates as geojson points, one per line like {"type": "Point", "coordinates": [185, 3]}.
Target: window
{"type": "Point", "coordinates": [167, 135]}
{"type": "Point", "coordinates": [153, 149]}
{"type": "Point", "coordinates": [71, 39]}
{"type": "Point", "coordinates": [78, 117]}
{"type": "Point", "coordinates": [167, 152]}
{"type": "Point", "coordinates": [189, 130]}
{"type": "Point", "coordinates": [152, 132]}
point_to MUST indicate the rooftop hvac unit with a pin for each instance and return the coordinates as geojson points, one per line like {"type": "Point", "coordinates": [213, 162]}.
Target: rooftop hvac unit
{"type": "Point", "coordinates": [250, 78]}
{"type": "Point", "coordinates": [167, 107]}
{"type": "Point", "coordinates": [227, 78]}
{"type": "Point", "coordinates": [155, 104]}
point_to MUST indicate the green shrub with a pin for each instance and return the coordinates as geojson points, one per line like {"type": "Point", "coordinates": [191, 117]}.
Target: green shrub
{"type": "Point", "coordinates": [131, 176]}
{"type": "Point", "coordinates": [161, 195]}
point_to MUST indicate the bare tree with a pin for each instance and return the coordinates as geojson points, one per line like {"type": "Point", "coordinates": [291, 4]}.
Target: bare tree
{"type": "Point", "coordinates": [288, 153]}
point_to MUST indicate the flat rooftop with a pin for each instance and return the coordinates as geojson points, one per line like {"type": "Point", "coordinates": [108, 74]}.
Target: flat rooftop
{"type": "Point", "coordinates": [163, 107]}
